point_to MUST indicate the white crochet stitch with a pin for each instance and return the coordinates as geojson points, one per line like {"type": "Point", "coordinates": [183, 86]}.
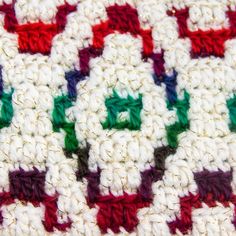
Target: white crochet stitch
{"type": "Point", "coordinates": [121, 155]}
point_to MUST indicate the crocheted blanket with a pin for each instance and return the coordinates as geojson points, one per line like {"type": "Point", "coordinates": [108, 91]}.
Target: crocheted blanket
{"type": "Point", "coordinates": [117, 117]}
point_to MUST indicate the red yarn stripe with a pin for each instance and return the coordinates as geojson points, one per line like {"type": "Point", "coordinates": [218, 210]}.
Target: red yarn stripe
{"type": "Point", "coordinates": [35, 37]}
{"type": "Point", "coordinates": [184, 224]}
{"type": "Point", "coordinates": [123, 19]}
{"type": "Point", "coordinates": [205, 43]}
{"type": "Point", "coordinates": [62, 12]}
{"type": "Point", "coordinates": [10, 21]}
{"type": "Point", "coordinates": [50, 215]}
{"type": "Point", "coordinates": [118, 211]}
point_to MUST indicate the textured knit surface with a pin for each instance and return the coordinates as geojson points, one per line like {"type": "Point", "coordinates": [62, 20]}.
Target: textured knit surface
{"type": "Point", "coordinates": [117, 117]}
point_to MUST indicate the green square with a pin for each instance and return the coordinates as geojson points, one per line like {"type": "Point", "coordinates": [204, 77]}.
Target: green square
{"type": "Point", "coordinates": [116, 106]}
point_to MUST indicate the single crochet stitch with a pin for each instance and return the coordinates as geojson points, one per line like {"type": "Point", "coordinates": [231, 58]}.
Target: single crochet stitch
{"type": "Point", "coordinates": [117, 117]}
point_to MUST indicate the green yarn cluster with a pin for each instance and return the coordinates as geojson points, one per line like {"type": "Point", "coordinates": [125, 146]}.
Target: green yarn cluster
{"type": "Point", "coordinates": [231, 104]}
{"type": "Point", "coordinates": [62, 103]}
{"type": "Point", "coordinates": [6, 109]}
{"type": "Point", "coordinates": [182, 107]}
{"type": "Point", "coordinates": [116, 105]}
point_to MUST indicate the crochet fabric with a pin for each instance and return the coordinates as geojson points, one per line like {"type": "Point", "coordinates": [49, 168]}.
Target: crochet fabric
{"type": "Point", "coordinates": [117, 117]}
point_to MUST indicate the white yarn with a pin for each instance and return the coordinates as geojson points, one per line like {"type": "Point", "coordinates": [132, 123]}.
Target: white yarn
{"type": "Point", "coordinates": [122, 155]}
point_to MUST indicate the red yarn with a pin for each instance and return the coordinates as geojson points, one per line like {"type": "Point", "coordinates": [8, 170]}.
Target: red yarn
{"type": "Point", "coordinates": [62, 12]}
{"type": "Point", "coordinates": [123, 19]}
{"type": "Point", "coordinates": [6, 199]}
{"type": "Point", "coordinates": [232, 22]}
{"type": "Point", "coordinates": [84, 58]}
{"type": "Point", "coordinates": [147, 42]}
{"type": "Point", "coordinates": [10, 21]}
{"type": "Point", "coordinates": [209, 43]}
{"type": "Point", "coordinates": [35, 37]}
{"type": "Point", "coordinates": [181, 16]}
{"type": "Point", "coordinates": [188, 203]}
{"type": "Point", "coordinates": [50, 215]}
{"type": "Point", "coordinates": [28, 186]}
{"type": "Point", "coordinates": [99, 33]}
{"type": "Point", "coordinates": [121, 211]}
{"type": "Point", "coordinates": [205, 43]}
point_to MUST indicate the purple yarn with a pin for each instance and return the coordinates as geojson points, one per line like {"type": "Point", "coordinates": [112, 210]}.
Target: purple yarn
{"type": "Point", "coordinates": [27, 185]}
{"type": "Point", "coordinates": [158, 63]}
{"type": "Point", "coordinates": [93, 189]}
{"type": "Point", "coordinates": [218, 183]}
{"type": "Point", "coordinates": [147, 178]}
{"type": "Point", "coordinates": [1, 82]}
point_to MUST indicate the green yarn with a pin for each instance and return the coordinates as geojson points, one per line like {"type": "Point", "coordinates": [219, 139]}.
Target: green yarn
{"type": "Point", "coordinates": [116, 105]}
{"type": "Point", "coordinates": [182, 107]}
{"type": "Point", "coordinates": [71, 142]}
{"type": "Point", "coordinates": [231, 104]}
{"type": "Point", "coordinates": [62, 103]}
{"type": "Point", "coordinates": [6, 109]}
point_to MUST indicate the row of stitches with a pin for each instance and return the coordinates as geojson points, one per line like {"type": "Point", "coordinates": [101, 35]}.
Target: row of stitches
{"type": "Point", "coordinates": [182, 15]}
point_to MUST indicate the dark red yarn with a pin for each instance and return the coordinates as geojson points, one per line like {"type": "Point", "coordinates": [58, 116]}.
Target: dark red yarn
{"type": "Point", "coordinates": [184, 224]}
{"type": "Point", "coordinates": [28, 186]}
{"type": "Point", "coordinates": [205, 43]}
{"type": "Point", "coordinates": [50, 215]}
{"type": "Point", "coordinates": [84, 58]}
{"type": "Point", "coordinates": [10, 21]}
{"type": "Point", "coordinates": [121, 211]}
{"type": "Point", "coordinates": [35, 37]}
{"type": "Point", "coordinates": [213, 187]}
{"type": "Point", "coordinates": [122, 19]}
{"type": "Point", "coordinates": [62, 12]}
{"type": "Point", "coordinates": [158, 63]}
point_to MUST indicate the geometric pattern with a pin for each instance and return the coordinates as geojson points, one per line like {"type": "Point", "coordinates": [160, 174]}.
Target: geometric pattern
{"type": "Point", "coordinates": [117, 117]}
